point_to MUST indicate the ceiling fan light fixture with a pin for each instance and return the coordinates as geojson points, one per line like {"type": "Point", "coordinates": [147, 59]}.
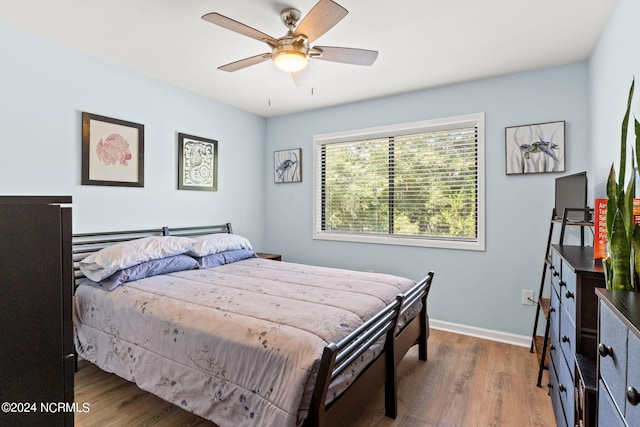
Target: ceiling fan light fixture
{"type": "Point", "coordinates": [290, 60]}
{"type": "Point", "coordinates": [292, 52]}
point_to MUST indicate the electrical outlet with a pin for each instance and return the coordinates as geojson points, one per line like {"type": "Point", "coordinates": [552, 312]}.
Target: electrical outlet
{"type": "Point", "coordinates": [527, 297]}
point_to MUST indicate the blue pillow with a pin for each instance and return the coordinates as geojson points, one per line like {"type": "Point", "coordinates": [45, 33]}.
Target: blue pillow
{"type": "Point", "coordinates": [147, 269]}
{"type": "Point", "coordinates": [225, 257]}
{"type": "Point", "coordinates": [210, 261]}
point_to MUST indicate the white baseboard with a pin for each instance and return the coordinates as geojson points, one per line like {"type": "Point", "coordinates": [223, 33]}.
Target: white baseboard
{"type": "Point", "coordinates": [519, 340]}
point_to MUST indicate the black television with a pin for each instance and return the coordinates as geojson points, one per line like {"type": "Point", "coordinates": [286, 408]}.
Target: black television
{"type": "Point", "coordinates": [571, 192]}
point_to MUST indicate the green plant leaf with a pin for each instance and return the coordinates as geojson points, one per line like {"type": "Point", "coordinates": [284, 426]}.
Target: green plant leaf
{"type": "Point", "coordinates": [623, 141]}
{"type": "Point", "coordinates": [608, 272]}
{"type": "Point", "coordinates": [612, 204]}
{"type": "Point", "coordinates": [623, 248]}
{"type": "Point", "coordinates": [620, 255]}
{"type": "Point", "coordinates": [628, 208]}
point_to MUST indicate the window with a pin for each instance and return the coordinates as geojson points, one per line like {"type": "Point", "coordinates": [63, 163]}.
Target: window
{"type": "Point", "coordinates": [416, 184]}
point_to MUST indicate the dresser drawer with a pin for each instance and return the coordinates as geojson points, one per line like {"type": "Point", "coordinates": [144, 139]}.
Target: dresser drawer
{"type": "Point", "coordinates": [567, 337]}
{"type": "Point", "coordinates": [568, 290]}
{"type": "Point", "coordinates": [554, 392]}
{"type": "Point", "coordinates": [554, 343]}
{"type": "Point", "coordinates": [555, 267]}
{"type": "Point", "coordinates": [612, 349]}
{"type": "Point", "coordinates": [632, 412]}
{"type": "Point", "coordinates": [565, 388]}
{"type": "Point", "coordinates": [554, 317]}
{"type": "Point", "coordinates": [608, 415]}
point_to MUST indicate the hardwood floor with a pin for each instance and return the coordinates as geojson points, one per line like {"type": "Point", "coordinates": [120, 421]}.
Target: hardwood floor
{"type": "Point", "coordinates": [466, 382]}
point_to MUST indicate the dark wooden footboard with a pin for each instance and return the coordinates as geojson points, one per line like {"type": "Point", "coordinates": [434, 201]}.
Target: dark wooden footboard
{"type": "Point", "coordinates": [381, 371]}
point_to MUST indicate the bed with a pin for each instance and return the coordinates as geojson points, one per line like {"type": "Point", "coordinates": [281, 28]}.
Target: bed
{"type": "Point", "coordinates": [192, 315]}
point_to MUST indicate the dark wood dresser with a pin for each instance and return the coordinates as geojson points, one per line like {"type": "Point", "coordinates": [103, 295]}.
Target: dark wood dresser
{"type": "Point", "coordinates": [573, 320]}
{"type": "Point", "coordinates": [37, 359]}
{"type": "Point", "coordinates": [619, 359]}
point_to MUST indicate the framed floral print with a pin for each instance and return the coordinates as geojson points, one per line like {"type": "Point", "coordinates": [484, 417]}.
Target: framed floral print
{"type": "Point", "coordinates": [112, 151]}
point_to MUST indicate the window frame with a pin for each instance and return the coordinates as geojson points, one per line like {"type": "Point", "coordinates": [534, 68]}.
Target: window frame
{"type": "Point", "coordinates": [475, 119]}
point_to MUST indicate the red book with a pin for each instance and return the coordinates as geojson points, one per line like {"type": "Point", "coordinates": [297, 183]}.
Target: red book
{"type": "Point", "coordinates": [600, 226]}
{"type": "Point", "coordinates": [600, 229]}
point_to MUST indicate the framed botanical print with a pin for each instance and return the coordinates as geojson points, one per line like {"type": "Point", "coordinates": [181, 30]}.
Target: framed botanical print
{"type": "Point", "coordinates": [112, 151]}
{"type": "Point", "coordinates": [197, 163]}
{"type": "Point", "coordinates": [287, 165]}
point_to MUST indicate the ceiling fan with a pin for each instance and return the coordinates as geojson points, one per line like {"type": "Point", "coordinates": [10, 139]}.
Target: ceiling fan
{"type": "Point", "coordinates": [293, 51]}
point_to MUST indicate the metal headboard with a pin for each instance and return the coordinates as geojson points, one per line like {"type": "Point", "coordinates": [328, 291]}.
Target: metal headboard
{"type": "Point", "coordinates": [84, 244]}
{"type": "Point", "coordinates": [198, 231]}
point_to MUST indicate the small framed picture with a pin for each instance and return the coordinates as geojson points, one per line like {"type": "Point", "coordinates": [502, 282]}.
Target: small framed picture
{"type": "Point", "coordinates": [537, 148]}
{"type": "Point", "coordinates": [112, 151]}
{"type": "Point", "coordinates": [287, 165]}
{"type": "Point", "coordinates": [197, 163]}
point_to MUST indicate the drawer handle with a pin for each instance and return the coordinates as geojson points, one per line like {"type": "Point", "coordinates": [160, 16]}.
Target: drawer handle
{"type": "Point", "coordinates": [562, 388]}
{"type": "Point", "coordinates": [555, 273]}
{"type": "Point", "coordinates": [552, 347]}
{"type": "Point", "coordinates": [605, 350]}
{"type": "Point", "coordinates": [552, 309]}
{"type": "Point", "coordinates": [565, 338]}
{"type": "Point", "coordinates": [633, 396]}
{"type": "Point", "coordinates": [569, 294]}
{"type": "Point", "coordinates": [562, 283]}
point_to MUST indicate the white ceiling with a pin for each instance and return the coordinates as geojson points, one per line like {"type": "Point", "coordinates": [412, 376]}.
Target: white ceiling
{"type": "Point", "coordinates": [422, 43]}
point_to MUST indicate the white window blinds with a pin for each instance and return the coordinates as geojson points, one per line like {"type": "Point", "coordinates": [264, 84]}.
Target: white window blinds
{"type": "Point", "coordinates": [416, 185]}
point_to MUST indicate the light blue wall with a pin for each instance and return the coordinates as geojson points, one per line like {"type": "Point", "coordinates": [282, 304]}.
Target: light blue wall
{"type": "Point", "coordinates": [613, 64]}
{"type": "Point", "coordinates": [481, 289]}
{"type": "Point", "coordinates": [44, 88]}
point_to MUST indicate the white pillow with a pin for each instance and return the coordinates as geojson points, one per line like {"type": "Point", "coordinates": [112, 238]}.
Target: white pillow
{"type": "Point", "coordinates": [219, 242]}
{"type": "Point", "coordinates": [107, 261]}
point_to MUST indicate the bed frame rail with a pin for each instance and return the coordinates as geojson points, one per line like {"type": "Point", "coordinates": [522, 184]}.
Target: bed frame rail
{"type": "Point", "coordinates": [366, 335]}
{"type": "Point", "coordinates": [198, 231]}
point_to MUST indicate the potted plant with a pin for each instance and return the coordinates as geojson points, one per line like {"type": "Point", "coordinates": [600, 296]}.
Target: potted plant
{"type": "Point", "coordinates": [622, 266]}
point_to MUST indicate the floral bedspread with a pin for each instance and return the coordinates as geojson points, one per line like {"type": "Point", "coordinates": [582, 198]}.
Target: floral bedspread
{"type": "Point", "coordinates": [237, 344]}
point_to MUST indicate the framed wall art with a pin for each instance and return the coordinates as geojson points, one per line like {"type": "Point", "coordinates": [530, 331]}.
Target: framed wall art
{"type": "Point", "coordinates": [197, 163]}
{"type": "Point", "coordinates": [536, 148]}
{"type": "Point", "coordinates": [112, 151]}
{"type": "Point", "coordinates": [287, 165]}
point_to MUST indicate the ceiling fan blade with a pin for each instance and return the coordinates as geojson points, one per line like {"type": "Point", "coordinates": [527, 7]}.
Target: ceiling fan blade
{"type": "Point", "coordinates": [303, 77]}
{"type": "Point", "coordinates": [320, 19]}
{"type": "Point", "coordinates": [246, 62]}
{"type": "Point", "coordinates": [347, 55]}
{"type": "Point", "coordinates": [238, 27]}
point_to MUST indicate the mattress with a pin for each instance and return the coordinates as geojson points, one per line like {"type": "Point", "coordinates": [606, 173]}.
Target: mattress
{"type": "Point", "coordinates": [238, 344]}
